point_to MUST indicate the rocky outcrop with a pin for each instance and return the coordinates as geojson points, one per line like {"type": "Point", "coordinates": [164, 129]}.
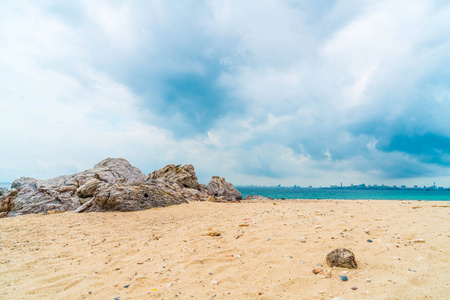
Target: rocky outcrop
{"type": "Point", "coordinates": [222, 190]}
{"type": "Point", "coordinates": [135, 196]}
{"type": "Point", "coordinates": [67, 192]}
{"type": "Point", "coordinates": [113, 184]}
{"type": "Point", "coordinates": [183, 176]}
{"type": "Point", "coordinates": [343, 258]}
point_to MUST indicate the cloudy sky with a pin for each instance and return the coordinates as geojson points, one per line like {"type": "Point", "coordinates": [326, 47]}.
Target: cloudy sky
{"type": "Point", "coordinates": [260, 92]}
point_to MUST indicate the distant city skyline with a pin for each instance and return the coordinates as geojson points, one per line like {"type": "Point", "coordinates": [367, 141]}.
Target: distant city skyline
{"type": "Point", "coordinates": [359, 186]}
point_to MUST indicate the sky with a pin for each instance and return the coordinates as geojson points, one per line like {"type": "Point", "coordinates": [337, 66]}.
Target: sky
{"type": "Point", "coordinates": [259, 92]}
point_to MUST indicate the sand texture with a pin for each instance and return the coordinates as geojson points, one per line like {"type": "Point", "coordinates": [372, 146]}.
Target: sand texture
{"type": "Point", "coordinates": [248, 250]}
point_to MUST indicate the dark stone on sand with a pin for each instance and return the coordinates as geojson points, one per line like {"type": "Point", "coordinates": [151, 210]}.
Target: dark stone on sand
{"type": "Point", "coordinates": [343, 258]}
{"type": "Point", "coordinates": [344, 278]}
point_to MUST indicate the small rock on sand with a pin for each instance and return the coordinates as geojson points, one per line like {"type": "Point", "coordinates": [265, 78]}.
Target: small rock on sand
{"type": "Point", "coordinates": [325, 273]}
{"type": "Point", "coordinates": [343, 258]}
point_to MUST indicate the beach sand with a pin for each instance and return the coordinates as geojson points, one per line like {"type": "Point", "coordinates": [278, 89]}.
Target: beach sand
{"type": "Point", "coordinates": [265, 250]}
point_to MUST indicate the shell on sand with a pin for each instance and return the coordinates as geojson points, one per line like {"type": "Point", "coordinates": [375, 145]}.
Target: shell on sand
{"type": "Point", "coordinates": [317, 270]}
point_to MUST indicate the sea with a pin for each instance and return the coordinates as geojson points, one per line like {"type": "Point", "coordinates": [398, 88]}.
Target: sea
{"type": "Point", "coordinates": [349, 194]}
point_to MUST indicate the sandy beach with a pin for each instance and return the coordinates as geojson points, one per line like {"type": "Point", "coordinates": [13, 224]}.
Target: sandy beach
{"type": "Point", "coordinates": [247, 250]}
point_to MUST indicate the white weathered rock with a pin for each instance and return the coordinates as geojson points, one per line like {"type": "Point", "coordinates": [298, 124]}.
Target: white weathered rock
{"type": "Point", "coordinates": [222, 190]}
{"type": "Point", "coordinates": [183, 176]}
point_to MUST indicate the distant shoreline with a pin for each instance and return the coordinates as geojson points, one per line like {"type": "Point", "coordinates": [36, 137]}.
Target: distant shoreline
{"type": "Point", "coordinates": [348, 194]}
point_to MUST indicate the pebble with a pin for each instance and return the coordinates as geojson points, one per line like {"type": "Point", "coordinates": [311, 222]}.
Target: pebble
{"type": "Point", "coordinates": [117, 298]}
{"type": "Point", "coordinates": [368, 280]}
{"type": "Point", "coordinates": [317, 270]}
{"type": "Point", "coordinates": [126, 286]}
{"type": "Point", "coordinates": [344, 278]}
{"type": "Point", "coordinates": [411, 270]}
{"type": "Point", "coordinates": [369, 241]}
{"type": "Point", "coordinates": [354, 288]}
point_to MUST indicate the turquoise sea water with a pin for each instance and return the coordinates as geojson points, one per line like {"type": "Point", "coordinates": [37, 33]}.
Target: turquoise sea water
{"type": "Point", "coordinates": [350, 194]}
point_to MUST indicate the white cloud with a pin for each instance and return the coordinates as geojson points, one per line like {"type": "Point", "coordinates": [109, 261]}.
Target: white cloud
{"type": "Point", "coordinates": [313, 93]}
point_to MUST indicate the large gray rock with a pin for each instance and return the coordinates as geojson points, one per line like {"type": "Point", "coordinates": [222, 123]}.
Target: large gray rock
{"type": "Point", "coordinates": [223, 191]}
{"type": "Point", "coordinates": [22, 182]}
{"type": "Point", "coordinates": [134, 196]}
{"type": "Point", "coordinates": [113, 184]}
{"type": "Point", "coordinates": [182, 176]}
{"type": "Point", "coordinates": [66, 192]}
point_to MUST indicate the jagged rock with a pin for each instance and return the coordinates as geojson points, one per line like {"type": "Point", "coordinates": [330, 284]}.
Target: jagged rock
{"type": "Point", "coordinates": [183, 176]}
{"type": "Point", "coordinates": [29, 195]}
{"type": "Point", "coordinates": [134, 196]}
{"type": "Point", "coordinates": [194, 195]}
{"type": "Point", "coordinates": [113, 184]}
{"type": "Point", "coordinates": [222, 190]}
{"type": "Point", "coordinates": [343, 258]}
{"type": "Point", "coordinates": [116, 169]}
{"type": "Point", "coordinates": [257, 197]}
{"type": "Point", "coordinates": [22, 182]}
{"type": "Point", "coordinates": [88, 189]}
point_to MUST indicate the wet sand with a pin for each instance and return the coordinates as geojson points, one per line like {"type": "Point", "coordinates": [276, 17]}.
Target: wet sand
{"type": "Point", "coordinates": [248, 250]}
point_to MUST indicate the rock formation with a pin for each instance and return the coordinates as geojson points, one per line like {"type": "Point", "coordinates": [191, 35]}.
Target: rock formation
{"type": "Point", "coordinates": [28, 195]}
{"type": "Point", "coordinates": [222, 190]}
{"type": "Point", "coordinates": [183, 176]}
{"type": "Point", "coordinates": [113, 184]}
{"type": "Point", "coordinates": [343, 258]}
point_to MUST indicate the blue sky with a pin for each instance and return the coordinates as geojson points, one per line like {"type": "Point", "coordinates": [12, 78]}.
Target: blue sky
{"type": "Point", "coordinates": [260, 92]}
